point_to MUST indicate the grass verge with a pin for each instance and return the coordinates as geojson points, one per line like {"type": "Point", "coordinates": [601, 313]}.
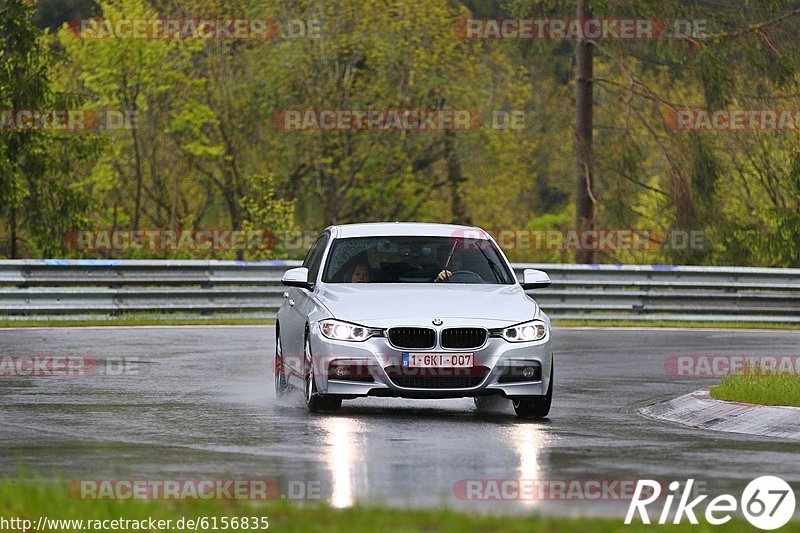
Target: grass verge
{"type": "Point", "coordinates": [31, 500]}
{"type": "Point", "coordinates": [760, 388]}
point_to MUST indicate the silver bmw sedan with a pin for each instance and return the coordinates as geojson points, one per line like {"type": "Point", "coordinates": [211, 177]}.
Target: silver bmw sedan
{"type": "Point", "coordinates": [412, 310]}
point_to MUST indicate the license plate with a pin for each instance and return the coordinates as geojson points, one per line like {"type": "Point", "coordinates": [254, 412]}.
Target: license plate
{"type": "Point", "coordinates": [437, 360]}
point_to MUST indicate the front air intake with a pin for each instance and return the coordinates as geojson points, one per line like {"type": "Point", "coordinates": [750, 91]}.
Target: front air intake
{"type": "Point", "coordinates": [415, 338]}
{"type": "Point", "coordinates": [461, 338]}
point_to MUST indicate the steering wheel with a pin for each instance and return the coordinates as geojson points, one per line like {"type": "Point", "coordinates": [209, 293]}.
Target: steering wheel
{"type": "Point", "coordinates": [465, 276]}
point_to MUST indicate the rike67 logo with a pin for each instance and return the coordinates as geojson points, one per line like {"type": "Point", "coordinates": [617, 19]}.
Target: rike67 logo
{"type": "Point", "coordinates": [767, 502]}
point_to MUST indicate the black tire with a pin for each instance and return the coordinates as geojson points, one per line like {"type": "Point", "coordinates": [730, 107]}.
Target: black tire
{"type": "Point", "coordinates": [281, 385]}
{"type": "Point", "coordinates": [536, 407]}
{"type": "Point", "coordinates": [315, 401]}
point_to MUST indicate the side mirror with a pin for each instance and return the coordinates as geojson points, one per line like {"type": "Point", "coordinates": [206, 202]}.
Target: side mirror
{"type": "Point", "coordinates": [296, 277]}
{"type": "Point", "coordinates": [534, 279]}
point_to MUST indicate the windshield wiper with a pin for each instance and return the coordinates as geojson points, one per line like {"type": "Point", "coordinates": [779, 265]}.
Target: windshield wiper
{"type": "Point", "coordinates": [492, 265]}
{"type": "Point", "coordinates": [450, 257]}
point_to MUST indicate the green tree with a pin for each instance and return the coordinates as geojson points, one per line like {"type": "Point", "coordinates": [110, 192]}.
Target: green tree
{"type": "Point", "coordinates": [40, 195]}
{"type": "Point", "coordinates": [190, 161]}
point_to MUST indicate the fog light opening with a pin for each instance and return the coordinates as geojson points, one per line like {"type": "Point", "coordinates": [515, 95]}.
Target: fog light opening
{"type": "Point", "coordinates": [350, 372]}
{"type": "Point", "coordinates": [519, 371]}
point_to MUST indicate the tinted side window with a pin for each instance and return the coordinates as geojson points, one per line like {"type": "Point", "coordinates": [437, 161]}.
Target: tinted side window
{"type": "Point", "coordinates": [311, 252]}
{"type": "Point", "coordinates": [313, 259]}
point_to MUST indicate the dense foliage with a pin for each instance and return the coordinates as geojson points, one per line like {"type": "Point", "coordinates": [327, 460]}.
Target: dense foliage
{"type": "Point", "coordinates": [202, 148]}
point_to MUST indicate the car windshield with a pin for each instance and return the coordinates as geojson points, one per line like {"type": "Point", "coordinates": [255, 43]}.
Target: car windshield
{"type": "Point", "coordinates": [415, 260]}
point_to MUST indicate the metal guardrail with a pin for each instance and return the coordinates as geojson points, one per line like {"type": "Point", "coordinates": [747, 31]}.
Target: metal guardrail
{"type": "Point", "coordinates": [66, 288]}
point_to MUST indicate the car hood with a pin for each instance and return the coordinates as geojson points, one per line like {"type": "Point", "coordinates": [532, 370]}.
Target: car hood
{"type": "Point", "coordinates": [384, 304]}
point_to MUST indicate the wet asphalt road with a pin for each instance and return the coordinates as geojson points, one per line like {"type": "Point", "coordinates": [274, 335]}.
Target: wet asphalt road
{"type": "Point", "coordinates": [198, 403]}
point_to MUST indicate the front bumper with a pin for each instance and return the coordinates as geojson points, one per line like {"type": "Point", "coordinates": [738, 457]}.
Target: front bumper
{"type": "Point", "coordinates": [497, 356]}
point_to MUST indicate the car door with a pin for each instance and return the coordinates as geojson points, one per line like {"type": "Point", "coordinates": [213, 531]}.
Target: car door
{"type": "Point", "coordinates": [297, 306]}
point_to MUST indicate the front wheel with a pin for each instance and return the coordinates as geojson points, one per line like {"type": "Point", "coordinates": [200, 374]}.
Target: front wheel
{"type": "Point", "coordinates": [315, 401]}
{"type": "Point", "coordinates": [537, 407]}
{"type": "Point", "coordinates": [281, 385]}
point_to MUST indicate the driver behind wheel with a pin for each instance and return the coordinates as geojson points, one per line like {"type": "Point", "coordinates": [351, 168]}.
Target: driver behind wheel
{"type": "Point", "coordinates": [455, 264]}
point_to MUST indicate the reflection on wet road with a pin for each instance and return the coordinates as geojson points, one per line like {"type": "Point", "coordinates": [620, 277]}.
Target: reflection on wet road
{"type": "Point", "coordinates": [195, 403]}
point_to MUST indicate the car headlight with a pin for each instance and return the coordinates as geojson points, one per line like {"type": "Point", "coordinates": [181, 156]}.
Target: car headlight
{"type": "Point", "coordinates": [535, 330]}
{"type": "Point", "coordinates": [344, 331]}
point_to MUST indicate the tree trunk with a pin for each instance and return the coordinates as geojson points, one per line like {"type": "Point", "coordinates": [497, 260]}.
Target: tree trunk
{"type": "Point", "coordinates": [584, 205]}
{"type": "Point", "coordinates": [455, 178]}
{"type": "Point", "coordinates": [12, 226]}
{"type": "Point", "coordinates": [137, 208]}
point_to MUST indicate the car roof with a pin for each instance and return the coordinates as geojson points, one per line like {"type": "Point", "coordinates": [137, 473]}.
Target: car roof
{"type": "Point", "coordinates": [421, 229]}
